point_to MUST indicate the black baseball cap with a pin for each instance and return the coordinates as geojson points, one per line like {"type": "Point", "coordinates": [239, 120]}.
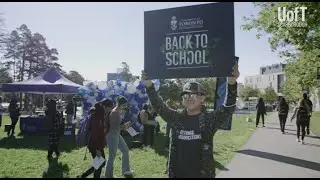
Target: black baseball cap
{"type": "Point", "coordinates": [122, 100]}
{"type": "Point", "coordinates": [107, 102]}
{"type": "Point", "coordinates": [192, 87]}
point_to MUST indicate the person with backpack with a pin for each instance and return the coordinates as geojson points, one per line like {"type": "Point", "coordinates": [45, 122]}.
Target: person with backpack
{"type": "Point", "coordinates": [97, 141]}
{"type": "Point", "coordinates": [54, 118]}
{"type": "Point", "coordinates": [193, 129]}
{"type": "Point", "coordinates": [261, 111]}
{"type": "Point", "coordinates": [310, 105]}
{"type": "Point", "coordinates": [115, 140]}
{"type": "Point", "coordinates": [283, 110]}
{"type": "Point", "coordinates": [301, 114]}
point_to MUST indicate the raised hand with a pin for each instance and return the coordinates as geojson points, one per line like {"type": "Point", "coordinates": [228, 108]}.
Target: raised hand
{"type": "Point", "coordinates": [147, 83]}
{"type": "Point", "coordinates": [235, 75]}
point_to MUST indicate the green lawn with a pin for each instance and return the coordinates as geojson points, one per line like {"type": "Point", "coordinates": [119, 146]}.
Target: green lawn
{"type": "Point", "coordinates": [26, 156]}
{"type": "Point", "coordinates": [315, 123]}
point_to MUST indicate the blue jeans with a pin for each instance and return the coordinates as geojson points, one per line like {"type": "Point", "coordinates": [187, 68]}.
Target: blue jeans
{"type": "Point", "coordinates": [114, 142]}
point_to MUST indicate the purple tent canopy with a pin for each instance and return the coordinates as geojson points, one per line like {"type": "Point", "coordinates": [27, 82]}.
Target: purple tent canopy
{"type": "Point", "coordinates": [49, 82]}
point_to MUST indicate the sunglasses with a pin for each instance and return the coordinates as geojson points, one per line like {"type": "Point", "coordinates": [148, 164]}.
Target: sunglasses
{"type": "Point", "coordinates": [190, 96]}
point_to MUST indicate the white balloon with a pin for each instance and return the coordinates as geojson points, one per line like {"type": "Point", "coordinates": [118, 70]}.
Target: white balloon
{"type": "Point", "coordinates": [131, 89]}
{"type": "Point", "coordinates": [85, 83]}
{"type": "Point", "coordinates": [136, 83]}
{"type": "Point", "coordinates": [102, 85]}
{"type": "Point", "coordinates": [240, 103]}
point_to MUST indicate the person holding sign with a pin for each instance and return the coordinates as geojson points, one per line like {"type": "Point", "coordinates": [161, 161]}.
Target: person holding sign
{"type": "Point", "coordinates": [192, 130]}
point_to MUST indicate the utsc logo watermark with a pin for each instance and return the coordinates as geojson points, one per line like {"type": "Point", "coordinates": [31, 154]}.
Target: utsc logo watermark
{"type": "Point", "coordinates": [292, 18]}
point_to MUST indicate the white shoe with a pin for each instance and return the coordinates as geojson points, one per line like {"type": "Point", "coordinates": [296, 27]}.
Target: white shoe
{"type": "Point", "coordinates": [298, 140]}
{"type": "Point", "coordinates": [302, 142]}
{"type": "Point", "coordinates": [128, 173]}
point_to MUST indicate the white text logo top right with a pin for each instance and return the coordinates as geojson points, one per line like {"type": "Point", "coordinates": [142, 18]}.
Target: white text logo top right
{"type": "Point", "coordinates": [292, 17]}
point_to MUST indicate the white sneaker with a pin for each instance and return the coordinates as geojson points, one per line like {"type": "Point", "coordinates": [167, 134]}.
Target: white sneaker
{"type": "Point", "coordinates": [298, 140]}
{"type": "Point", "coordinates": [302, 142]}
{"type": "Point", "coordinates": [128, 173]}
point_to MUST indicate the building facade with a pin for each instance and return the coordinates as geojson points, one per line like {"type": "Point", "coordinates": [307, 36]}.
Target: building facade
{"type": "Point", "coordinates": [269, 76]}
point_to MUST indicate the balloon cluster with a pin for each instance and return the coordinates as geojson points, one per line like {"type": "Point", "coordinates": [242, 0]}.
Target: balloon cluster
{"type": "Point", "coordinates": [135, 92]}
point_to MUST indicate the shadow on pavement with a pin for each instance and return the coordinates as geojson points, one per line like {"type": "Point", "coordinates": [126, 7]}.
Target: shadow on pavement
{"type": "Point", "coordinates": [284, 159]}
{"type": "Point", "coordinates": [277, 124]}
{"type": "Point", "coordinates": [314, 145]}
{"type": "Point", "coordinates": [308, 136]}
{"type": "Point", "coordinates": [279, 129]}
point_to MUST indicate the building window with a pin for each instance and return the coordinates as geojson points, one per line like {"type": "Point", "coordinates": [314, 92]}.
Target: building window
{"type": "Point", "coordinates": [255, 86]}
{"type": "Point", "coordinates": [273, 77]}
{"type": "Point", "coordinates": [270, 84]}
{"type": "Point", "coordinates": [250, 80]}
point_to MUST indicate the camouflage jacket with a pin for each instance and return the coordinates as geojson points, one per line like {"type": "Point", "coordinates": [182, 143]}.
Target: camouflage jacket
{"type": "Point", "coordinates": [209, 124]}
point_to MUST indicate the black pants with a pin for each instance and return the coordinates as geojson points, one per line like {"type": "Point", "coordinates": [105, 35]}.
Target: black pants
{"type": "Point", "coordinates": [308, 125]}
{"type": "Point", "coordinates": [14, 121]}
{"type": "Point", "coordinates": [0, 120]}
{"type": "Point", "coordinates": [258, 118]}
{"type": "Point", "coordinates": [148, 134]}
{"type": "Point", "coordinates": [53, 148]}
{"type": "Point", "coordinates": [301, 126]}
{"type": "Point", "coordinates": [283, 120]}
{"type": "Point", "coordinates": [96, 173]}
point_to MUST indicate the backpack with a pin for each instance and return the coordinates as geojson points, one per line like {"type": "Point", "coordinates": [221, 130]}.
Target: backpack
{"type": "Point", "coordinates": [83, 135]}
{"type": "Point", "coordinates": [303, 113]}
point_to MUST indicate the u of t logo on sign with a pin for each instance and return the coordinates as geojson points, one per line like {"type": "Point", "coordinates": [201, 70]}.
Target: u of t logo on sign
{"type": "Point", "coordinates": [292, 18]}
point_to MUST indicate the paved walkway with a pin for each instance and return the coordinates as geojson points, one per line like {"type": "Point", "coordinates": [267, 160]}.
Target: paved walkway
{"type": "Point", "coordinates": [270, 154]}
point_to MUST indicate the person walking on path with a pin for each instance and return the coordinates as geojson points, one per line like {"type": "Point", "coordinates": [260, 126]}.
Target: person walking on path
{"type": "Point", "coordinates": [310, 105]}
{"type": "Point", "coordinates": [115, 140]}
{"type": "Point", "coordinates": [301, 114]}
{"type": "Point", "coordinates": [283, 110]}
{"type": "Point", "coordinates": [261, 111]}
{"type": "Point", "coordinates": [192, 130]}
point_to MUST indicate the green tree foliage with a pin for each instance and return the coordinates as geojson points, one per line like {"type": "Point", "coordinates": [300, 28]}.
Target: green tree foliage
{"type": "Point", "coordinates": [27, 54]}
{"type": "Point", "coordinates": [267, 23]}
{"type": "Point", "coordinates": [125, 73]}
{"type": "Point", "coordinates": [4, 75]}
{"type": "Point", "coordinates": [302, 73]}
{"type": "Point", "coordinates": [269, 95]}
{"type": "Point", "coordinates": [75, 77]}
{"type": "Point", "coordinates": [247, 92]}
{"type": "Point", "coordinates": [300, 46]}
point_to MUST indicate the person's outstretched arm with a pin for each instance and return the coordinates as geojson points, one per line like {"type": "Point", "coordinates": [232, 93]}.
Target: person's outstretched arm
{"type": "Point", "coordinates": [221, 114]}
{"type": "Point", "coordinates": [166, 113]}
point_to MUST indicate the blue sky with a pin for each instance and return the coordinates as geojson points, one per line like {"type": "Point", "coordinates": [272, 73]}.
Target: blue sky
{"type": "Point", "coordinates": [94, 38]}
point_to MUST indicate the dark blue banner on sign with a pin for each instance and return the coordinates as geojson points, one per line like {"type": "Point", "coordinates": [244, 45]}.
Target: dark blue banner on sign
{"type": "Point", "coordinates": [189, 42]}
{"type": "Point", "coordinates": [221, 93]}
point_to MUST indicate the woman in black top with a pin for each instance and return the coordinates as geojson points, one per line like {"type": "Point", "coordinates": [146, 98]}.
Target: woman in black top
{"type": "Point", "coordinates": [14, 112]}
{"type": "Point", "coordinates": [147, 119]}
{"type": "Point", "coordinates": [261, 111]}
{"type": "Point", "coordinates": [283, 109]}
